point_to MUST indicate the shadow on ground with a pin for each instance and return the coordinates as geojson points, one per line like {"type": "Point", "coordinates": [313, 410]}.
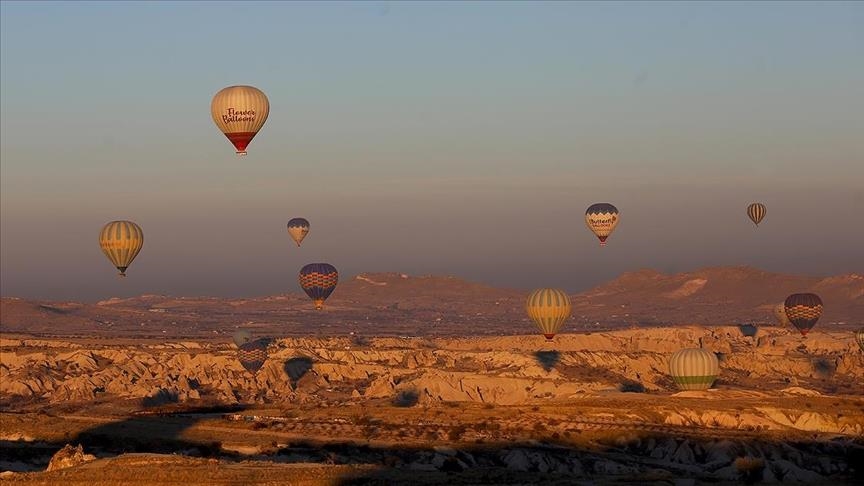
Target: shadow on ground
{"type": "Point", "coordinates": [153, 431]}
{"type": "Point", "coordinates": [547, 359]}
{"type": "Point", "coordinates": [296, 368]}
{"type": "Point", "coordinates": [625, 458]}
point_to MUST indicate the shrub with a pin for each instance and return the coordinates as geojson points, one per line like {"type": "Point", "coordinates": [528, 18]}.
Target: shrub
{"type": "Point", "coordinates": [457, 432]}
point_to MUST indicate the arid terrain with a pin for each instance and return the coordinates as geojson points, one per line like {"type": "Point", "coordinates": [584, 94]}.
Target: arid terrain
{"type": "Point", "coordinates": [393, 304]}
{"type": "Point", "coordinates": [433, 380]}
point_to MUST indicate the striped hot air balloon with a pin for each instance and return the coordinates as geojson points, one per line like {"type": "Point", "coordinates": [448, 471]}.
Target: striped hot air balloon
{"type": "Point", "coordinates": [298, 228]}
{"type": "Point", "coordinates": [803, 311]}
{"type": "Point", "coordinates": [602, 218]}
{"type": "Point", "coordinates": [121, 241]}
{"type": "Point", "coordinates": [859, 336]}
{"type": "Point", "coordinates": [756, 212]}
{"type": "Point", "coordinates": [694, 369]}
{"type": "Point", "coordinates": [253, 354]}
{"type": "Point", "coordinates": [240, 112]}
{"type": "Point", "coordinates": [318, 281]}
{"type": "Point", "coordinates": [548, 308]}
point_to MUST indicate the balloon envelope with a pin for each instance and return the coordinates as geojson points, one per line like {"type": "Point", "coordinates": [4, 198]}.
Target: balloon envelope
{"type": "Point", "coordinates": [253, 354]}
{"type": "Point", "coordinates": [121, 241]}
{"type": "Point", "coordinates": [756, 212]}
{"type": "Point", "coordinates": [298, 228]}
{"type": "Point", "coordinates": [694, 369]}
{"type": "Point", "coordinates": [241, 337]}
{"type": "Point", "coordinates": [548, 308]}
{"type": "Point", "coordinates": [601, 219]}
{"type": "Point", "coordinates": [318, 281]}
{"type": "Point", "coordinates": [803, 311]}
{"type": "Point", "coordinates": [748, 330]}
{"type": "Point", "coordinates": [240, 112]}
{"type": "Point", "coordinates": [859, 337]}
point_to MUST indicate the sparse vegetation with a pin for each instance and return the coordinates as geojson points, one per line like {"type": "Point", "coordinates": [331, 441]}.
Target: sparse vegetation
{"type": "Point", "coordinates": [456, 433]}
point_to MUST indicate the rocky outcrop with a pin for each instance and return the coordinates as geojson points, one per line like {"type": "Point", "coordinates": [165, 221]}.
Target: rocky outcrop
{"type": "Point", "coordinates": [69, 456]}
{"type": "Point", "coordinates": [497, 370]}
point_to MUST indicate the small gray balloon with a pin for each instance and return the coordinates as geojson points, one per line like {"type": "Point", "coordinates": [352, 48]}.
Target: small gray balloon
{"type": "Point", "coordinates": [241, 337]}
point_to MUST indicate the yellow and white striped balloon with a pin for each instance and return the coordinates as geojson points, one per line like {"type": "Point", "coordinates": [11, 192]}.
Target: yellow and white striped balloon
{"type": "Point", "coordinates": [549, 308]}
{"type": "Point", "coordinates": [756, 212]}
{"type": "Point", "coordinates": [239, 112]}
{"type": "Point", "coordinates": [121, 241]}
{"type": "Point", "coordinates": [694, 369]}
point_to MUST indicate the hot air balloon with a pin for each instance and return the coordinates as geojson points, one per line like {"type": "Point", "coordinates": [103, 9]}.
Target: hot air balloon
{"type": "Point", "coordinates": [602, 218]}
{"type": "Point", "coordinates": [239, 112]}
{"type": "Point", "coordinates": [253, 354]}
{"type": "Point", "coordinates": [780, 314]}
{"type": "Point", "coordinates": [748, 330]}
{"type": "Point", "coordinates": [241, 337]}
{"type": "Point", "coordinates": [548, 308]}
{"type": "Point", "coordinates": [694, 369]}
{"type": "Point", "coordinates": [318, 281]}
{"type": "Point", "coordinates": [756, 212]}
{"type": "Point", "coordinates": [121, 241]}
{"type": "Point", "coordinates": [803, 310]}
{"type": "Point", "coordinates": [859, 336]}
{"type": "Point", "coordinates": [298, 228]}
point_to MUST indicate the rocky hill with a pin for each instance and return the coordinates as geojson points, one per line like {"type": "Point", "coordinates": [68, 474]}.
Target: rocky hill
{"type": "Point", "coordinates": [503, 370]}
{"type": "Point", "coordinates": [517, 409]}
{"type": "Point", "coordinates": [402, 305]}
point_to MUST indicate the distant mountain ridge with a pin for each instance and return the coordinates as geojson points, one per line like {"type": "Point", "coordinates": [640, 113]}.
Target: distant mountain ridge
{"type": "Point", "coordinates": [393, 303]}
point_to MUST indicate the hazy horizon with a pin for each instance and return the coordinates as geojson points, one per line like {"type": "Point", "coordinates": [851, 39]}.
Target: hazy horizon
{"type": "Point", "coordinates": [424, 138]}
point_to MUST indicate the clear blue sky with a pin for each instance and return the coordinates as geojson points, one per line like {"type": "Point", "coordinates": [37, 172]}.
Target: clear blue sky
{"type": "Point", "coordinates": [445, 138]}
